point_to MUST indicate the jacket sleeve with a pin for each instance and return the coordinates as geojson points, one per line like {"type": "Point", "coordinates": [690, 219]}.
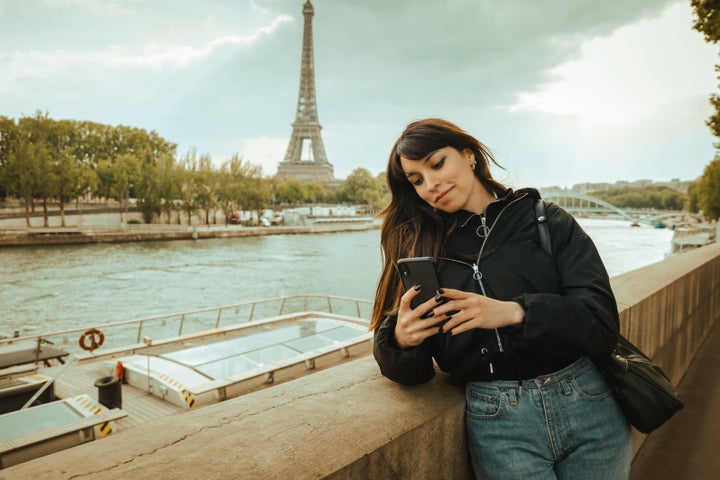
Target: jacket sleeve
{"type": "Point", "coordinates": [411, 366]}
{"type": "Point", "coordinates": [582, 319]}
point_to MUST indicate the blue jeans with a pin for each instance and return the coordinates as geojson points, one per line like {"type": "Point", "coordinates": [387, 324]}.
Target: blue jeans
{"type": "Point", "coordinates": [566, 425]}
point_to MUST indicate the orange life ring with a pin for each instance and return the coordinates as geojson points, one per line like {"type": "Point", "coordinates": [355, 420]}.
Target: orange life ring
{"type": "Point", "coordinates": [95, 336]}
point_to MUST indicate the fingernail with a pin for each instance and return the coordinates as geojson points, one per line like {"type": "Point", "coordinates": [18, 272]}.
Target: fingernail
{"type": "Point", "coordinates": [428, 314]}
{"type": "Point", "coordinates": [439, 298]}
{"type": "Point", "coordinates": [440, 291]}
{"type": "Point", "coordinates": [417, 287]}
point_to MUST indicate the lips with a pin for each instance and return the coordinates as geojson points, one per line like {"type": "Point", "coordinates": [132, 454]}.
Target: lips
{"type": "Point", "coordinates": [440, 197]}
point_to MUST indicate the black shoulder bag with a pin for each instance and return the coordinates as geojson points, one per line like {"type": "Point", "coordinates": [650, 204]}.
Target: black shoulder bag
{"type": "Point", "coordinates": [644, 392]}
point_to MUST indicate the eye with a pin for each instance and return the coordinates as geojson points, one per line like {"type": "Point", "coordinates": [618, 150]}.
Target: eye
{"type": "Point", "coordinates": [439, 164]}
{"type": "Point", "coordinates": [418, 181]}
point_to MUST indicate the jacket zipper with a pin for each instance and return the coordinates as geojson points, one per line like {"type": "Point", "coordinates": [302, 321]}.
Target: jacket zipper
{"type": "Point", "coordinates": [477, 274]}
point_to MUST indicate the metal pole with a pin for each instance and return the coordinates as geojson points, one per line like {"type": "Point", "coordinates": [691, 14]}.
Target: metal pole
{"type": "Point", "coordinates": [44, 387]}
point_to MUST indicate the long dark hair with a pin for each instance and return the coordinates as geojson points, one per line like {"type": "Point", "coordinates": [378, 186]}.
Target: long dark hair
{"type": "Point", "coordinates": [411, 227]}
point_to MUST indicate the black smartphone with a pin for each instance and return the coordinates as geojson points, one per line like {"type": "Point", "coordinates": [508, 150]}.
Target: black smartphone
{"type": "Point", "coordinates": [419, 271]}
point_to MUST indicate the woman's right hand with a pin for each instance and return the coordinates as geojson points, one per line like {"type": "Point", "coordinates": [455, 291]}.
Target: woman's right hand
{"type": "Point", "coordinates": [414, 326]}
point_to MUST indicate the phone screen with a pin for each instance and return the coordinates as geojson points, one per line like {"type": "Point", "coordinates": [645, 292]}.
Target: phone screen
{"type": "Point", "coordinates": [419, 271]}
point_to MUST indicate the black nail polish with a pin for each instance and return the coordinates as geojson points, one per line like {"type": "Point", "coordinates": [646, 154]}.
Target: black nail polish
{"type": "Point", "coordinates": [439, 298]}
{"type": "Point", "coordinates": [417, 287]}
{"type": "Point", "coordinates": [427, 315]}
{"type": "Point", "coordinates": [440, 291]}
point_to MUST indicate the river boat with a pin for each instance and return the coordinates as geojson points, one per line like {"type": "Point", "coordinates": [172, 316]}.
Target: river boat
{"type": "Point", "coordinates": [65, 388]}
{"type": "Point", "coordinates": [688, 236]}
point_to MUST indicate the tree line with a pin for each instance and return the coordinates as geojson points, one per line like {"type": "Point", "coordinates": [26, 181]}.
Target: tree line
{"type": "Point", "coordinates": [653, 196]}
{"type": "Point", "coordinates": [45, 161]}
{"type": "Point", "coordinates": [707, 189]}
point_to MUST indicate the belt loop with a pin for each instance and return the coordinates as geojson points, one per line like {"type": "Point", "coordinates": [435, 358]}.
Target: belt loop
{"type": "Point", "coordinates": [513, 397]}
{"type": "Point", "coordinates": [566, 386]}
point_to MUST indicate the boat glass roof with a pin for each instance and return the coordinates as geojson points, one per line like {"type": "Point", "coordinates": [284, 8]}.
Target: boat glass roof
{"type": "Point", "coordinates": [36, 419]}
{"type": "Point", "coordinates": [275, 342]}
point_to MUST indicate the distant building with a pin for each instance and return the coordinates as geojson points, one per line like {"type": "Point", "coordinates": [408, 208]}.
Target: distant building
{"type": "Point", "coordinates": [675, 184]}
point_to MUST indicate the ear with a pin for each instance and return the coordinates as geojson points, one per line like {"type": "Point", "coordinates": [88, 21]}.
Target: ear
{"type": "Point", "coordinates": [467, 153]}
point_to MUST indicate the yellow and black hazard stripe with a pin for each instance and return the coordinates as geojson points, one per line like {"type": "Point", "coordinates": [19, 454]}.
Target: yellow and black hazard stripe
{"type": "Point", "coordinates": [105, 427]}
{"type": "Point", "coordinates": [187, 396]}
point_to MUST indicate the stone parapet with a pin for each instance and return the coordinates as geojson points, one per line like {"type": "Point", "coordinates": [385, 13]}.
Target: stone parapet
{"type": "Point", "coordinates": [350, 422]}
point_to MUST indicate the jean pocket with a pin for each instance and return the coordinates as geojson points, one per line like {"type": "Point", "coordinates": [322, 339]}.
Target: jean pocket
{"type": "Point", "coordinates": [481, 405]}
{"type": "Point", "coordinates": [590, 384]}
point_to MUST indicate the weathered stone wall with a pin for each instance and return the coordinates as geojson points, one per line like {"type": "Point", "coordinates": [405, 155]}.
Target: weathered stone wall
{"type": "Point", "coordinates": [350, 422]}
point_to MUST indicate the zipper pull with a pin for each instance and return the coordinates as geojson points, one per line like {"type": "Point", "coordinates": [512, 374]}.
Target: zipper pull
{"type": "Point", "coordinates": [483, 230]}
{"type": "Point", "coordinates": [476, 272]}
{"type": "Point", "coordinates": [499, 342]}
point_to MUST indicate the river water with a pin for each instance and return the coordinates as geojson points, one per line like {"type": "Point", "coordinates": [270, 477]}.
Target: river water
{"type": "Point", "coordinates": [52, 288]}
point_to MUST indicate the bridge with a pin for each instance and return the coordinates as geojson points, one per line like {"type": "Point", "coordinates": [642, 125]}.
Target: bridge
{"type": "Point", "coordinates": [581, 205]}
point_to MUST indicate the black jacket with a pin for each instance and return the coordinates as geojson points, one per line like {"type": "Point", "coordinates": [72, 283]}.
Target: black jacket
{"type": "Point", "coordinates": [570, 308]}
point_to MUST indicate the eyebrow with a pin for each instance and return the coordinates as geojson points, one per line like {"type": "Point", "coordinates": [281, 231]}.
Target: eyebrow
{"type": "Point", "coordinates": [427, 158]}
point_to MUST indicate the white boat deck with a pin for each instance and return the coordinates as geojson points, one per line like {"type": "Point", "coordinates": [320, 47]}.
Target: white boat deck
{"type": "Point", "coordinates": [180, 361]}
{"type": "Point", "coordinates": [139, 405]}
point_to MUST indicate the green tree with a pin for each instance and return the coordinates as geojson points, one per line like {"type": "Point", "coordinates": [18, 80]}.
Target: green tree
{"type": "Point", "coordinates": [658, 197]}
{"type": "Point", "coordinates": [8, 141]}
{"type": "Point", "coordinates": [168, 183]}
{"type": "Point", "coordinates": [21, 172]}
{"type": "Point", "coordinates": [206, 191]}
{"type": "Point", "coordinates": [39, 158]}
{"type": "Point", "coordinates": [152, 151]}
{"type": "Point", "coordinates": [124, 176]}
{"type": "Point", "coordinates": [708, 18]}
{"type": "Point", "coordinates": [708, 190]}
{"type": "Point", "coordinates": [708, 187]}
{"type": "Point", "coordinates": [707, 22]}
{"type": "Point", "coordinates": [290, 192]}
{"type": "Point", "coordinates": [256, 191]}
{"type": "Point", "coordinates": [230, 186]}
{"type": "Point", "coordinates": [67, 170]}
{"type": "Point", "coordinates": [189, 184]}
{"type": "Point", "coordinates": [692, 202]}
{"type": "Point", "coordinates": [147, 190]}
{"type": "Point", "coordinates": [360, 187]}
{"type": "Point", "coordinates": [382, 187]}
{"type": "Point", "coordinates": [314, 193]}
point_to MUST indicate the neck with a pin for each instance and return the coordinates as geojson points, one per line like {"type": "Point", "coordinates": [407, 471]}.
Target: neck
{"type": "Point", "coordinates": [480, 199]}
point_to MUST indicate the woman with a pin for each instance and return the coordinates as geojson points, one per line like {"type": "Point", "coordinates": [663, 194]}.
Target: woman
{"type": "Point", "coordinates": [512, 324]}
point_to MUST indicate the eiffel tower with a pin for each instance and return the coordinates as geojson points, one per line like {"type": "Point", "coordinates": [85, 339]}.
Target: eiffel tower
{"type": "Point", "coordinates": [305, 159]}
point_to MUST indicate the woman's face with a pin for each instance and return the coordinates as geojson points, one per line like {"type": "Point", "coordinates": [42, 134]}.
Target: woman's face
{"type": "Point", "coordinates": [445, 180]}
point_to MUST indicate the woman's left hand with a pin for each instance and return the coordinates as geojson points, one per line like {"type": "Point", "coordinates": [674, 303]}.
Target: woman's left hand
{"type": "Point", "coordinates": [477, 311]}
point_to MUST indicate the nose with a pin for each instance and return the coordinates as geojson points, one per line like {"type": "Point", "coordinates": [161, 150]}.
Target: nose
{"type": "Point", "coordinates": [432, 182]}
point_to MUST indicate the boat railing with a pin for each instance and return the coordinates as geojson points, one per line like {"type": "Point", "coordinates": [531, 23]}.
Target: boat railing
{"type": "Point", "coordinates": [143, 330]}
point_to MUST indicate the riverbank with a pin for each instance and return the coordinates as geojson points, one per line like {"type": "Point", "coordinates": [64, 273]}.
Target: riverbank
{"type": "Point", "coordinates": [34, 236]}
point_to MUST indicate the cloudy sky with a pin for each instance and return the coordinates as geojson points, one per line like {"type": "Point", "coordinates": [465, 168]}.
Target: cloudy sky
{"type": "Point", "coordinates": [561, 91]}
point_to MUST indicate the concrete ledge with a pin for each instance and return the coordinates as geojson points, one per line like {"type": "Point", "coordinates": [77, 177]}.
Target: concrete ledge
{"type": "Point", "coordinates": [142, 233]}
{"type": "Point", "coordinates": [350, 422]}
{"type": "Point", "coordinates": [345, 422]}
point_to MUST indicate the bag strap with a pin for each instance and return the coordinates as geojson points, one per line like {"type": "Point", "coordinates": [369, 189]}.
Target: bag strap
{"type": "Point", "coordinates": [543, 228]}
